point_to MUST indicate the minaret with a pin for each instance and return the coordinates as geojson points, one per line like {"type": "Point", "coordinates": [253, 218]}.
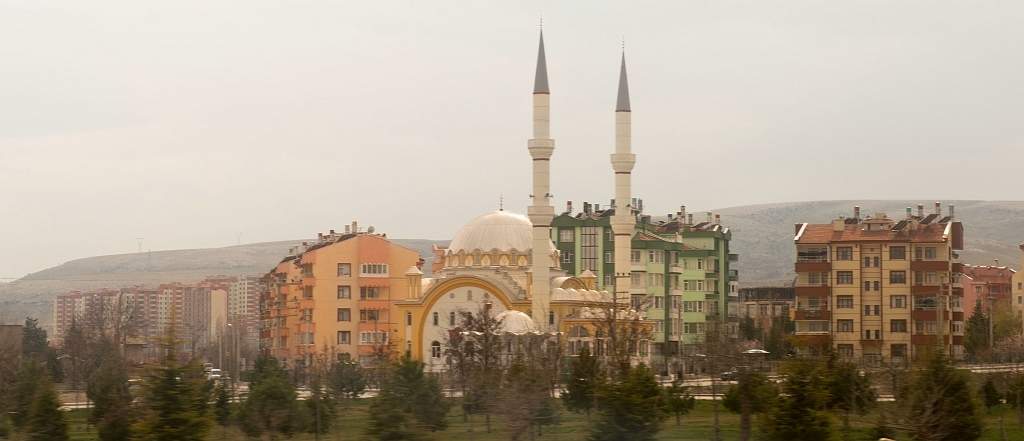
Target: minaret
{"type": "Point", "coordinates": [541, 212]}
{"type": "Point", "coordinates": [623, 159]}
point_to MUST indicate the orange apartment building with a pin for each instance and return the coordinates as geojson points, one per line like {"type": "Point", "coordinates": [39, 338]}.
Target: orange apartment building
{"type": "Point", "coordinates": [880, 289]}
{"type": "Point", "coordinates": [987, 286]}
{"type": "Point", "coordinates": [336, 293]}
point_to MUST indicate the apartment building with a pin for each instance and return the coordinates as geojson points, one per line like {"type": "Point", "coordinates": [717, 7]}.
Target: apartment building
{"type": "Point", "coordinates": [679, 278]}
{"type": "Point", "coordinates": [879, 288]}
{"type": "Point", "coordinates": [243, 303]}
{"type": "Point", "coordinates": [1018, 286]}
{"type": "Point", "coordinates": [336, 293]}
{"type": "Point", "coordinates": [986, 286]}
{"type": "Point", "coordinates": [764, 304]}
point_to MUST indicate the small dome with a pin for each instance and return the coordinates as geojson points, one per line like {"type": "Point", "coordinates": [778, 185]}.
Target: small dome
{"type": "Point", "coordinates": [516, 322]}
{"type": "Point", "coordinates": [500, 230]}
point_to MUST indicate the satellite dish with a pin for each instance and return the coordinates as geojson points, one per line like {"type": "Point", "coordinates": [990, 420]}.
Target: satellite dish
{"type": "Point", "coordinates": [370, 229]}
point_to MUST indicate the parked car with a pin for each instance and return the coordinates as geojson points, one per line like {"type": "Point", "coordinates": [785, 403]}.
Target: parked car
{"type": "Point", "coordinates": [734, 373]}
{"type": "Point", "coordinates": [208, 367]}
{"type": "Point", "coordinates": [214, 374]}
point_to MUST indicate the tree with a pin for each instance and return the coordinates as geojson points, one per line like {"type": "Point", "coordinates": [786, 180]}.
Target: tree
{"type": "Point", "coordinates": [222, 407]}
{"type": "Point", "coordinates": [678, 400]}
{"type": "Point", "coordinates": [849, 391]}
{"type": "Point", "coordinates": [525, 399]}
{"type": "Point", "coordinates": [46, 422]}
{"type": "Point", "coordinates": [990, 395]}
{"type": "Point", "coordinates": [749, 331]}
{"type": "Point", "coordinates": [33, 339]}
{"type": "Point", "coordinates": [409, 404]}
{"type": "Point", "coordinates": [346, 380]}
{"type": "Point", "coordinates": [799, 414]}
{"type": "Point", "coordinates": [22, 394]}
{"type": "Point", "coordinates": [778, 342]}
{"type": "Point", "coordinates": [753, 395]}
{"type": "Point", "coordinates": [476, 353]}
{"type": "Point", "coordinates": [940, 405]}
{"type": "Point", "coordinates": [111, 411]}
{"type": "Point", "coordinates": [631, 409]}
{"type": "Point", "coordinates": [175, 397]}
{"type": "Point", "coordinates": [584, 376]}
{"type": "Point", "coordinates": [976, 333]}
{"type": "Point", "coordinates": [271, 407]}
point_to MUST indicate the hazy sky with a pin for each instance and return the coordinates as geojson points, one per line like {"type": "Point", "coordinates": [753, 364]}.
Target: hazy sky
{"type": "Point", "coordinates": [186, 122]}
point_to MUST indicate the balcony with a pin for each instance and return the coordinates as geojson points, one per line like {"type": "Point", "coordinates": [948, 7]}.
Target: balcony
{"type": "Point", "coordinates": [675, 268]}
{"type": "Point", "coordinates": [812, 314]}
{"type": "Point", "coordinates": [929, 265]}
{"type": "Point", "coordinates": [812, 290]}
{"type": "Point", "coordinates": [802, 267]}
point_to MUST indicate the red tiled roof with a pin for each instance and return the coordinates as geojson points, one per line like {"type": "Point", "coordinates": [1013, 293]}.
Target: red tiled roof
{"type": "Point", "coordinates": [823, 233]}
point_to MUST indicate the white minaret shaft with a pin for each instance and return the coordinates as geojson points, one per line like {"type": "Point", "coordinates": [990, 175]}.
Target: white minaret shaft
{"type": "Point", "coordinates": [623, 221]}
{"type": "Point", "coordinates": [541, 212]}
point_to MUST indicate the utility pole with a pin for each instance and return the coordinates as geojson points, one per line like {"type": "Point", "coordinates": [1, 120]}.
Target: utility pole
{"type": "Point", "coordinates": [139, 240]}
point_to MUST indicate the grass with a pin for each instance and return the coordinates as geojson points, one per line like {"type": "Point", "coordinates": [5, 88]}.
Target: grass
{"type": "Point", "coordinates": [698, 425]}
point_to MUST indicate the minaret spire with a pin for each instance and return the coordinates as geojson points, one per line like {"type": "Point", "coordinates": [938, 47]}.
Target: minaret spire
{"type": "Point", "coordinates": [540, 211]}
{"type": "Point", "coordinates": [624, 220]}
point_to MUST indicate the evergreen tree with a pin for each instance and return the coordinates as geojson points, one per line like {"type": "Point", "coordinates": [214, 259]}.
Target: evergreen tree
{"type": "Point", "coordinates": [111, 411]}
{"type": "Point", "coordinates": [409, 404]}
{"type": "Point", "coordinates": [941, 407]}
{"type": "Point", "coordinates": [678, 400]}
{"type": "Point", "coordinates": [19, 401]}
{"type": "Point", "coordinates": [799, 414]}
{"type": "Point", "coordinates": [631, 409]}
{"type": "Point", "coordinates": [271, 407]}
{"type": "Point", "coordinates": [976, 333]}
{"type": "Point", "coordinates": [525, 398]}
{"type": "Point", "coordinates": [753, 395]}
{"type": "Point", "coordinates": [849, 391]}
{"type": "Point", "coordinates": [222, 407]}
{"type": "Point", "coordinates": [45, 420]}
{"type": "Point", "coordinates": [778, 341]}
{"type": "Point", "coordinates": [990, 395]}
{"type": "Point", "coordinates": [33, 339]}
{"type": "Point", "coordinates": [584, 376]}
{"type": "Point", "coordinates": [346, 380]}
{"type": "Point", "coordinates": [175, 397]}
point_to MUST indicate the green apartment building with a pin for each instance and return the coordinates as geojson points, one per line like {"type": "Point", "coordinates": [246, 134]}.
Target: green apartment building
{"type": "Point", "coordinates": [679, 271]}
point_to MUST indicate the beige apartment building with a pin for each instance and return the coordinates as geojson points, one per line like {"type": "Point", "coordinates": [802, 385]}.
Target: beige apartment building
{"type": "Point", "coordinates": [880, 289]}
{"type": "Point", "coordinates": [1018, 286]}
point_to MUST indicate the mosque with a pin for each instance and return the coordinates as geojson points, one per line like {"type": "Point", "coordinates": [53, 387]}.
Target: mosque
{"type": "Point", "coordinates": [506, 263]}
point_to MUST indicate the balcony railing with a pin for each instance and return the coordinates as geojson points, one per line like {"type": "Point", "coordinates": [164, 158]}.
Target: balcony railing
{"type": "Point", "coordinates": [812, 259]}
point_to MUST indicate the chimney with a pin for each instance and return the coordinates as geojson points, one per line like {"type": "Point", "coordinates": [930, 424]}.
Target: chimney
{"type": "Point", "coordinates": [682, 211]}
{"type": "Point", "coordinates": [355, 227]}
{"type": "Point", "coordinates": [909, 216]}
{"type": "Point", "coordinates": [640, 205]}
{"type": "Point", "coordinates": [586, 207]}
{"type": "Point", "coordinates": [689, 221]}
{"type": "Point", "coordinates": [950, 211]}
{"type": "Point", "coordinates": [670, 216]}
{"type": "Point", "coordinates": [709, 217]}
{"type": "Point", "coordinates": [839, 224]}
{"type": "Point", "coordinates": [347, 229]}
{"type": "Point", "coordinates": [597, 207]}
{"type": "Point", "coordinates": [718, 219]}
{"type": "Point", "coordinates": [332, 232]}
{"type": "Point", "coordinates": [319, 237]}
{"type": "Point", "coordinates": [997, 262]}
{"type": "Point", "coordinates": [568, 206]}
{"type": "Point", "coordinates": [920, 211]}
{"type": "Point", "coordinates": [856, 212]}
{"type": "Point", "coordinates": [938, 208]}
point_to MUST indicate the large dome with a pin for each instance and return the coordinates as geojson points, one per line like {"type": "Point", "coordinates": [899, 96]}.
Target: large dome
{"type": "Point", "coordinates": [497, 230]}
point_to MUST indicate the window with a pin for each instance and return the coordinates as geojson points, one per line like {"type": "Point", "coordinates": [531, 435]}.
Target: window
{"type": "Point", "coordinates": [812, 278]}
{"type": "Point", "coordinates": [609, 235]}
{"type": "Point", "coordinates": [867, 286]}
{"type": "Point", "coordinates": [875, 283]}
{"type": "Point", "coordinates": [655, 256]}
{"type": "Point", "coordinates": [435, 349]}
{"type": "Point", "coordinates": [408, 319]}
{"type": "Point", "coordinates": [918, 277]}
{"type": "Point", "coordinates": [877, 334]}
{"type": "Point", "coordinates": [659, 326]}
{"type": "Point", "coordinates": [635, 256]}
{"type": "Point", "coordinates": [814, 326]}
{"type": "Point", "coordinates": [609, 280]}
{"type": "Point", "coordinates": [656, 279]}
{"type": "Point", "coordinates": [344, 315]}
{"type": "Point", "coordinates": [918, 253]}
{"type": "Point", "coordinates": [686, 263]}
{"type": "Point", "coordinates": [567, 257]}
{"type": "Point", "coordinates": [844, 253]}
{"type": "Point", "coordinates": [636, 301]}
{"type": "Point", "coordinates": [867, 334]}
{"type": "Point", "coordinates": [1020, 285]}
{"type": "Point", "coordinates": [1020, 300]}
{"type": "Point", "coordinates": [344, 337]}
{"type": "Point", "coordinates": [566, 235]}
{"type": "Point", "coordinates": [867, 261]}
{"type": "Point", "coordinates": [844, 325]}
{"type": "Point", "coordinates": [925, 326]}
{"type": "Point", "coordinates": [898, 350]}
{"type": "Point", "coordinates": [609, 257]}
{"type": "Point", "coordinates": [693, 306]}
{"type": "Point", "coordinates": [898, 326]}
{"type": "Point", "coordinates": [898, 277]}
{"type": "Point", "coordinates": [897, 301]}
{"type": "Point", "coordinates": [844, 277]}
{"type": "Point", "coordinates": [435, 319]}
{"type": "Point", "coordinates": [451, 318]}
{"type": "Point", "coordinates": [844, 302]}
{"type": "Point", "coordinates": [958, 327]}
{"type": "Point", "coordinates": [373, 338]}
{"type": "Point", "coordinates": [373, 269]}
{"type": "Point", "coordinates": [977, 289]}
{"type": "Point", "coordinates": [344, 269]}
{"type": "Point", "coordinates": [636, 280]}
{"type": "Point", "coordinates": [700, 285]}
{"type": "Point", "coordinates": [929, 253]}
{"type": "Point", "coordinates": [930, 277]}
{"type": "Point", "coordinates": [369, 292]}
{"type": "Point", "coordinates": [845, 350]}
{"type": "Point", "coordinates": [551, 317]}
{"type": "Point", "coordinates": [700, 263]}
{"type": "Point", "coordinates": [344, 292]}
{"type": "Point", "coordinates": [368, 315]}
{"type": "Point", "coordinates": [897, 253]}
{"type": "Point", "coordinates": [867, 309]}
{"type": "Point", "coordinates": [656, 302]}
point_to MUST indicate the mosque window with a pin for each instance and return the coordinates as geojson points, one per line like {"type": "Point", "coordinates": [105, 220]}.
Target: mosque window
{"type": "Point", "coordinates": [551, 317]}
{"type": "Point", "coordinates": [435, 319]}
{"type": "Point", "coordinates": [435, 349]}
{"type": "Point", "coordinates": [451, 318]}
{"type": "Point", "coordinates": [408, 319]}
